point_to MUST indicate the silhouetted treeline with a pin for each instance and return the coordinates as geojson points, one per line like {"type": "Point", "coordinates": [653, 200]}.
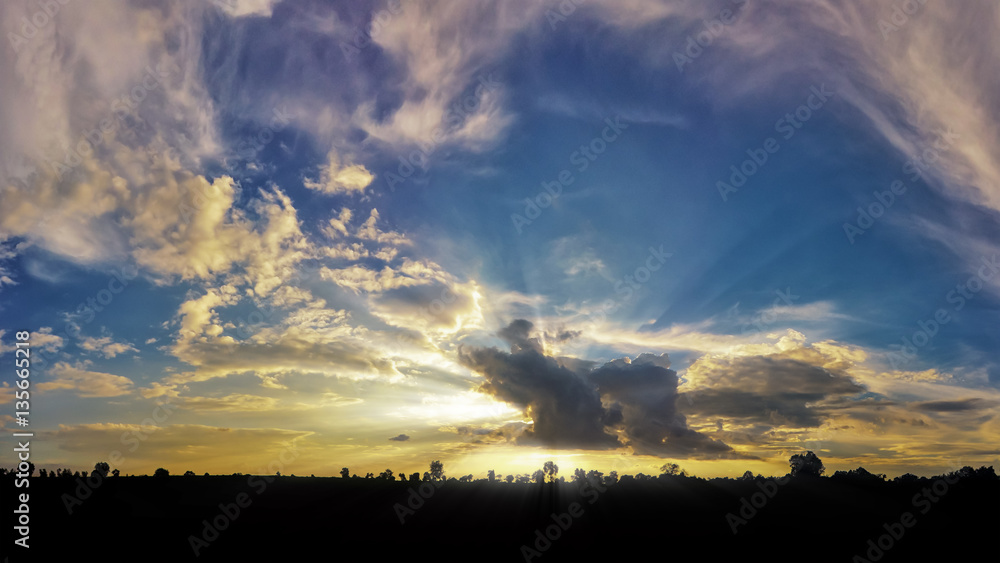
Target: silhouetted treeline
{"type": "Point", "coordinates": [849, 516]}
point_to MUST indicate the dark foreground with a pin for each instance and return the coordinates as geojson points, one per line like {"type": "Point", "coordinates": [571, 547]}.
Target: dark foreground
{"type": "Point", "coordinates": [669, 519]}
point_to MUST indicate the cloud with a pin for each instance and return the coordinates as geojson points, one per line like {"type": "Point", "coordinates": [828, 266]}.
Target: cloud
{"type": "Point", "coordinates": [973, 404]}
{"type": "Point", "coordinates": [335, 178]}
{"type": "Point", "coordinates": [105, 346]}
{"type": "Point", "coordinates": [86, 383]}
{"type": "Point", "coordinates": [7, 253]}
{"type": "Point", "coordinates": [400, 438]}
{"type": "Point", "coordinates": [89, 142]}
{"type": "Point", "coordinates": [236, 402]}
{"type": "Point", "coordinates": [770, 390]}
{"type": "Point", "coordinates": [516, 334]}
{"type": "Point", "coordinates": [447, 95]}
{"type": "Point", "coordinates": [41, 339]}
{"type": "Point", "coordinates": [566, 409]}
{"type": "Point", "coordinates": [245, 8]}
{"type": "Point", "coordinates": [643, 393]}
{"type": "Point", "coordinates": [573, 405]}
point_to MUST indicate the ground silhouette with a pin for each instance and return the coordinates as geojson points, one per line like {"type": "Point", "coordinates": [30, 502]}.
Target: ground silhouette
{"type": "Point", "coordinates": [848, 516]}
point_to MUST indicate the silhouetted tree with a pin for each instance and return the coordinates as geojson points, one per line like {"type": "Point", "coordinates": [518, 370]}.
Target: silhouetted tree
{"type": "Point", "coordinates": [402, 476]}
{"type": "Point", "coordinates": [986, 473]}
{"type": "Point", "coordinates": [510, 478]}
{"type": "Point", "coordinates": [579, 474]}
{"type": "Point", "coordinates": [387, 475]}
{"type": "Point", "coordinates": [491, 476]}
{"type": "Point", "coordinates": [345, 473]}
{"type": "Point", "coordinates": [369, 476]}
{"type": "Point", "coordinates": [611, 479]}
{"type": "Point", "coordinates": [550, 469]}
{"type": "Point", "coordinates": [465, 479]}
{"type": "Point", "coordinates": [102, 468]}
{"type": "Point", "coordinates": [189, 474]}
{"type": "Point", "coordinates": [161, 473]}
{"type": "Point", "coordinates": [963, 473]}
{"type": "Point", "coordinates": [747, 476]}
{"type": "Point", "coordinates": [595, 477]}
{"type": "Point", "coordinates": [538, 476]}
{"type": "Point", "coordinates": [42, 473]}
{"type": "Point", "coordinates": [670, 469]}
{"type": "Point", "coordinates": [116, 473]}
{"type": "Point", "coordinates": [806, 464]}
{"type": "Point", "coordinates": [860, 474]}
{"type": "Point", "coordinates": [437, 470]}
{"type": "Point", "coordinates": [415, 476]}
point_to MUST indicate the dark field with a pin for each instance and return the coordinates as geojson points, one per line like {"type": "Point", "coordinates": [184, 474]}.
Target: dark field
{"type": "Point", "coordinates": [662, 519]}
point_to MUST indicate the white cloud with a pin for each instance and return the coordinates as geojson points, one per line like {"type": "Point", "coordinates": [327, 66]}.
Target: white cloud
{"type": "Point", "coordinates": [86, 383]}
{"type": "Point", "coordinates": [446, 50]}
{"type": "Point", "coordinates": [105, 345]}
{"type": "Point", "coordinates": [244, 8]}
{"type": "Point", "coordinates": [336, 178]}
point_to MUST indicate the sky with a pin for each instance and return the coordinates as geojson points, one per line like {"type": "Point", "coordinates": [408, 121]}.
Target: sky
{"type": "Point", "coordinates": [248, 234]}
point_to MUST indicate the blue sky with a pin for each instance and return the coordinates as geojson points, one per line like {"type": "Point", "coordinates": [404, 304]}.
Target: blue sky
{"type": "Point", "coordinates": [606, 233]}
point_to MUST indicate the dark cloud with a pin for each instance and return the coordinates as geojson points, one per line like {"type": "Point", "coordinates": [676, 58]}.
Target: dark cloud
{"type": "Point", "coordinates": [506, 433]}
{"type": "Point", "coordinates": [517, 335]}
{"type": "Point", "coordinates": [770, 390]}
{"type": "Point", "coordinates": [563, 335]}
{"type": "Point", "coordinates": [643, 394]}
{"type": "Point", "coordinates": [574, 405]}
{"type": "Point", "coordinates": [400, 438]}
{"type": "Point", "coordinates": [954, 406]}
{"type": "Point", "coordinates": [436, 303]}
{"type": "Point", "coordinates": [566, 409]}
